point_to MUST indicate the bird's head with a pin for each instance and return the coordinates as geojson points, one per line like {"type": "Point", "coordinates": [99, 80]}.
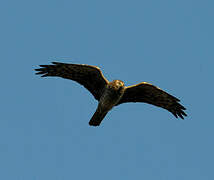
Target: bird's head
{"type": "Point", "coordinates": [117, 85]}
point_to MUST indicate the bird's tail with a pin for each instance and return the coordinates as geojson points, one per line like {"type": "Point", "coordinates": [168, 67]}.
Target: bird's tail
{"type": "Point", "coordinates": [97, 118]}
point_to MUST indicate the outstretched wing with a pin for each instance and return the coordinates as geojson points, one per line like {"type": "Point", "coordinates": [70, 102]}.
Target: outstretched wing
{"type": "Point", "coordinates": [90, 77]}
{"type": "Point", "coordinates": [148, 93]}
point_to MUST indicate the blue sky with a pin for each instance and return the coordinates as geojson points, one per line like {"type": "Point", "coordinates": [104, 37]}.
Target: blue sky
{"type": "Point", "coordinates": [44, 131]}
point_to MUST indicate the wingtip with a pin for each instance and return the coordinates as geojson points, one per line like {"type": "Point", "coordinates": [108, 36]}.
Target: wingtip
{"type": "Point", "coordinates": [37, 69]}
{"type": "Point", "coordinates": [44, 66]}
{"type": "Point", "coordinates": [37, 73]}
{"type": "Point", "coordinates": [180, 114]}
{"type": "Point", "coordinates": [182, 118]}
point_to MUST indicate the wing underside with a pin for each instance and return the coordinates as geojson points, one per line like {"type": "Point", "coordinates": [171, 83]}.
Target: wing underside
{"type": "Point", "coordinates": [90, 77]}
{"type": "Point", "coordinates": [148, 93]}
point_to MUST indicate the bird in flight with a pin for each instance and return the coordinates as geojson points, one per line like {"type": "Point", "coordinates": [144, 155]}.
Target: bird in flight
{"type": "Point", "coordinates": [110, 94]}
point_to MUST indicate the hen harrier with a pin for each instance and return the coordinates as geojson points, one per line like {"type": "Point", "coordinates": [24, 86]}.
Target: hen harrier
{"type": "Point", "coordinates": [110, 94]}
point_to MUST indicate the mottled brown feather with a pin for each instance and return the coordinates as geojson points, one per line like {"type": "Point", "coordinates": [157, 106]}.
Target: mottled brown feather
{"type": "Point", "coordinates": [90, 77]}
{"type": "Point", "coordinates": [148, 93]}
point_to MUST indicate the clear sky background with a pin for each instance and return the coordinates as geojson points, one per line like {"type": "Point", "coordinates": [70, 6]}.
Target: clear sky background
{"type": "Point", "coordinates": [44, 131]}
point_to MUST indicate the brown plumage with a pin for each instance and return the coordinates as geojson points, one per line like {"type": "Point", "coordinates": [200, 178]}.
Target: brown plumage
{"type": "Point", "coordinates": [148, 93]}
{"type": "Point", "coordinates": [90, 77]}
{"type": "Point", "coordinates": [110, 94]}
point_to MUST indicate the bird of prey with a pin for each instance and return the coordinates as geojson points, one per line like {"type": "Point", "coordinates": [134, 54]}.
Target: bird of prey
{"type": "Point", "coordinates": [110, 94]}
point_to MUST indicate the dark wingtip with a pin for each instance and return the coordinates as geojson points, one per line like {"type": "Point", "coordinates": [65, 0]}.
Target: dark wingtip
{"type": "Point", "coordinates": [38, 69]}
{"type": "Point", "coordinates": [182, 107]}
{"type": "Point", "coordinates": [175, 114]}
{"type": "Point", "coordinates": [180, 114]}
{"type": "Point", "coordinates": [41, 71]}
{"type": "Point", "coordinates": [183, 113]}
{"type": "Point", "coordinates": [44, 66]}
{"type": "Point", "coordinates": [37, 73]}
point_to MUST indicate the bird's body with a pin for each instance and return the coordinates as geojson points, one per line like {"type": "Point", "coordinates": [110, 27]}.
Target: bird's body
{"type": "Point", "coordinates": [110, 94]}
{"type": "Point", "coordinates": [110, 97]}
